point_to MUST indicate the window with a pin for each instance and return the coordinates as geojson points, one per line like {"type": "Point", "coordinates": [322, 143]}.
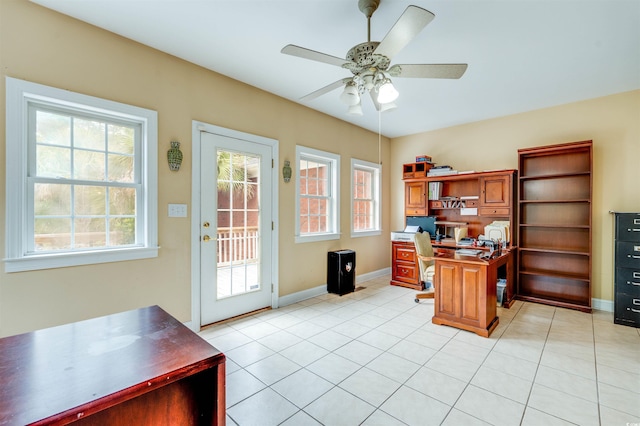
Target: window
{"type": "Point", "coordinates": [365, 198]}
{"type": "Point", "coordinates": [85, 174]}
{"type": "Point", "coordinates": [317, 198]}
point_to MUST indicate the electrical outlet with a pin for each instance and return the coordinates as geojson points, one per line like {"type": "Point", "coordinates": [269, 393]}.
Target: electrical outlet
{"type": "Point", "coordinates": [177, 210]}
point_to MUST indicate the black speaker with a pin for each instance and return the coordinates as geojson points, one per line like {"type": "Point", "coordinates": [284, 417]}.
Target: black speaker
{"type": "Point", "coordinates": [341, 271]}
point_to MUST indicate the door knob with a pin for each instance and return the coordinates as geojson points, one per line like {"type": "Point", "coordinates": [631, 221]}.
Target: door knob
{"type": "Point", "coordinates": [206, 224]}
{"type": "Point", "coordinates": [206, 238]}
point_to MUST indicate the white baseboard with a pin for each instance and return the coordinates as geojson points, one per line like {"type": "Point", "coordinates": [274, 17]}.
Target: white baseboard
{"type": "Point", "coordinates": [299, 296]}
{"type": "Point", "coordinates": [371, 275]}
{"type": "Point", "coordinates": [602, 305]}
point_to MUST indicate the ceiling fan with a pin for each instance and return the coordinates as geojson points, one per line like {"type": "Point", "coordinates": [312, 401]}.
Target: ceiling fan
{"type": "Point", "coordinates": [370, 62]}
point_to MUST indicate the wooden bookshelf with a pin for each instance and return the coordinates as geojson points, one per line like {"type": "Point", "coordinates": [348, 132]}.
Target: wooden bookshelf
{"type": "Point", "coordinates": [554, 233]}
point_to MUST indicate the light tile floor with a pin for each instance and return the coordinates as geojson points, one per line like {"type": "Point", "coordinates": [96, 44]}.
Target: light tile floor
{"type": "Point", "coordinates": [373, 357]}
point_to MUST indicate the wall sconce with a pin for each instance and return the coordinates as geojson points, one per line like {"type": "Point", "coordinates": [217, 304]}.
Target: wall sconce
{"type": "Point", "coordinates": [286, 171]}
{"type": "Point", "coordinates": [174, 156]}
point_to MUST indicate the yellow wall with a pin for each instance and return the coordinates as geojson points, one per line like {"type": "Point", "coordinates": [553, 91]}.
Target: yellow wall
{"type": "Point", "coordinates": [45, 47]}
{"type": "Point", "coordinates": [612, 122]}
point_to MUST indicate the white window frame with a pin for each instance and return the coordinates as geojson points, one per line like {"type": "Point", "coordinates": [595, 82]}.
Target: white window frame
{"type": "Point", "coordinates": [333, 231]}
{"type": "Point", "coordinates": [20, 95]}
{"type": "Point", "coordinates": [375, 169]}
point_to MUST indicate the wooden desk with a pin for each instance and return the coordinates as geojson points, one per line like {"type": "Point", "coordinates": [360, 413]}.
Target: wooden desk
{"type": "Point", "coordinates": [405, 271]}
{"type": "Point", "coordinates": [139, 367]}
{"type": "Point", "coordinates": [465, 291]}
{"type": "Point", "coordinates": [510, 297]}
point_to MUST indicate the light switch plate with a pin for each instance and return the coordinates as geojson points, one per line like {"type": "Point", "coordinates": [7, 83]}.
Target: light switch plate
{"type": "Point", "coordinates": [177, 210]}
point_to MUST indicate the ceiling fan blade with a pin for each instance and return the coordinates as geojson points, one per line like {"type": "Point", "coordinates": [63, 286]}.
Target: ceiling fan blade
{"type": "Point", "coordinates": [325, 89]}
{"type": "Point", "coordinates": [301, 52]}
{"type": "Point", "coordinates": [428, 70]}
{"type": "Point", "coordinates": [410, 23]}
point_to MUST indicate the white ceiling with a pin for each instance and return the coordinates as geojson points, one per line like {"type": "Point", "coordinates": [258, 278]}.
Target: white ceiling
{"type": "Point", "coordinates": [522, 54]}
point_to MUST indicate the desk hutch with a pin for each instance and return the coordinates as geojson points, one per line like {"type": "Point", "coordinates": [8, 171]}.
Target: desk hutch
{"type": "Point", "coordinates": [491, 193]}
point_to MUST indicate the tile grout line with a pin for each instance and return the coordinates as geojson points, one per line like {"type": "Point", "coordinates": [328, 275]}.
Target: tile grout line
{"type": "Point", "coordinates": [556, 323]}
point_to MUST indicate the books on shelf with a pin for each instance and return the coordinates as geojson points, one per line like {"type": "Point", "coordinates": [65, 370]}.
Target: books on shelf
{"type": "Point", "coordinates": [424, 159]}
{"type": "Point", "coordinates": [435, 190]}
{"type": "Point", "coordinates": [441, 172]}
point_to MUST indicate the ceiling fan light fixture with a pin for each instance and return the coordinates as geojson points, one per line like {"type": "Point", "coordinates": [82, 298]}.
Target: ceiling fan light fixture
{"type": "Point", "coordinates": [350, 94]}
{"type": "Point", "coordinates": [388, 106]}
{"type": "Point", "coordinates": [386, 92]}
{"type": "Point", "coordinates": [355, 109]}
{"type": "Point", "coordinates": [370, 61]}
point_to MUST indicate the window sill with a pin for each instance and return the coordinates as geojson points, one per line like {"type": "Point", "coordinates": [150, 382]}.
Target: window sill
{"type": "Point", "coordinates": [366, 234]}
{"type": "Point", "coordinates": [63, 260]}
{"type": "Point", "coordinates": [316, 237]}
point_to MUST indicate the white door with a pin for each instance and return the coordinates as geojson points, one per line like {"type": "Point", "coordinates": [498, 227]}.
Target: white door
{"type": "Point", "coordinates": [235, 228]}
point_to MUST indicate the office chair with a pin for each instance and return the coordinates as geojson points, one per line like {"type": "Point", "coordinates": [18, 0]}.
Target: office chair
{"type": "Point", "coordinates": [426, 262]}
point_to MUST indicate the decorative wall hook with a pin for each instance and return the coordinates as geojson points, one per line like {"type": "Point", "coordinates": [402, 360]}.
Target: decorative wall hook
{"type": "Point", "coordinates": [174, 156]}
{"type": "Point", "coordinates": [286, 171]}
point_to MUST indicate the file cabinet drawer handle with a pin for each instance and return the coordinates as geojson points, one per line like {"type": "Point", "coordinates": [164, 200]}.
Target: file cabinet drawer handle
{"type": "Point", "coordinates": [636, 275]}
{"type": "Point", "coordinates": [637, 311]}
{"type": "Point", "coordinates": [636, 221]}
{"type": "Point", "coordinates": [633, 230]}
{"type": "Point", "coordinates": [633, 283]}
{"type": "Point", "coordinates": [636, 301]}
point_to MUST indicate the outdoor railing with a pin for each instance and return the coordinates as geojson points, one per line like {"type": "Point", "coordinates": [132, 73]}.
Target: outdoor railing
{"type": "Point", "coordinates": [237, 244]}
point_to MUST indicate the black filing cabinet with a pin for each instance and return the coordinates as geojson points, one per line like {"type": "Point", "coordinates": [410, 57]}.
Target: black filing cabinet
{"type": "Point", "coordinates": [341, 270]}
{"type": "Point", "coordinates": [627, 273]}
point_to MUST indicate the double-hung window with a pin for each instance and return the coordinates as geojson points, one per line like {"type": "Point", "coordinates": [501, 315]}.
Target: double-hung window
{"type": "Point", "coordinates": [317, 197]}
{"type": "Point", "coordinates": [365, 198]}
{"type": "Point", "coordinates": [83, 179]}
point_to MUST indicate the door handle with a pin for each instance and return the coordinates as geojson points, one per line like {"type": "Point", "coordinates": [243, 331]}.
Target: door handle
{"type": "Point", "coordinates": [206, 238]}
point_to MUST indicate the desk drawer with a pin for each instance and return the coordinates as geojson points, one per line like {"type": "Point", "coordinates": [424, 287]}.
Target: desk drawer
{"type": "Point", "coordinates": [628, 254]}
{"type": "Point", "coordinates": [412, 211]}
{"type": "Point", "coordinates": [406, 272]}
{"type": "Point", "coordinates": [628, 228]}
{"type": "Point", "coordinates": [493, 211]}
{"type": "Point", "coordinates": [404, 254]}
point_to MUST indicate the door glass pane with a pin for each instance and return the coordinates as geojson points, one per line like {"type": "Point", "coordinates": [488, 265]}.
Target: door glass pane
{"type": "Point", "coordinates": [238, 257]}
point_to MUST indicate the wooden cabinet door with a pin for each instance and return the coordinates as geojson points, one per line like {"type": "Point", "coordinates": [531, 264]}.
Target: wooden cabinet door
{"type": "Point", "coordinates": [415, 198]}
{"type": "Point", "coordinates": [446, 278]}
{"type": "Point", "coordinates": [495, 191]}
{"type": "Point", "coordinates": [472, 298]}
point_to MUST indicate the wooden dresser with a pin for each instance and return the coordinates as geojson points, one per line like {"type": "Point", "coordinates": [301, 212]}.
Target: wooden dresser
{"type": "Point", "coordinates": [141, 367]}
